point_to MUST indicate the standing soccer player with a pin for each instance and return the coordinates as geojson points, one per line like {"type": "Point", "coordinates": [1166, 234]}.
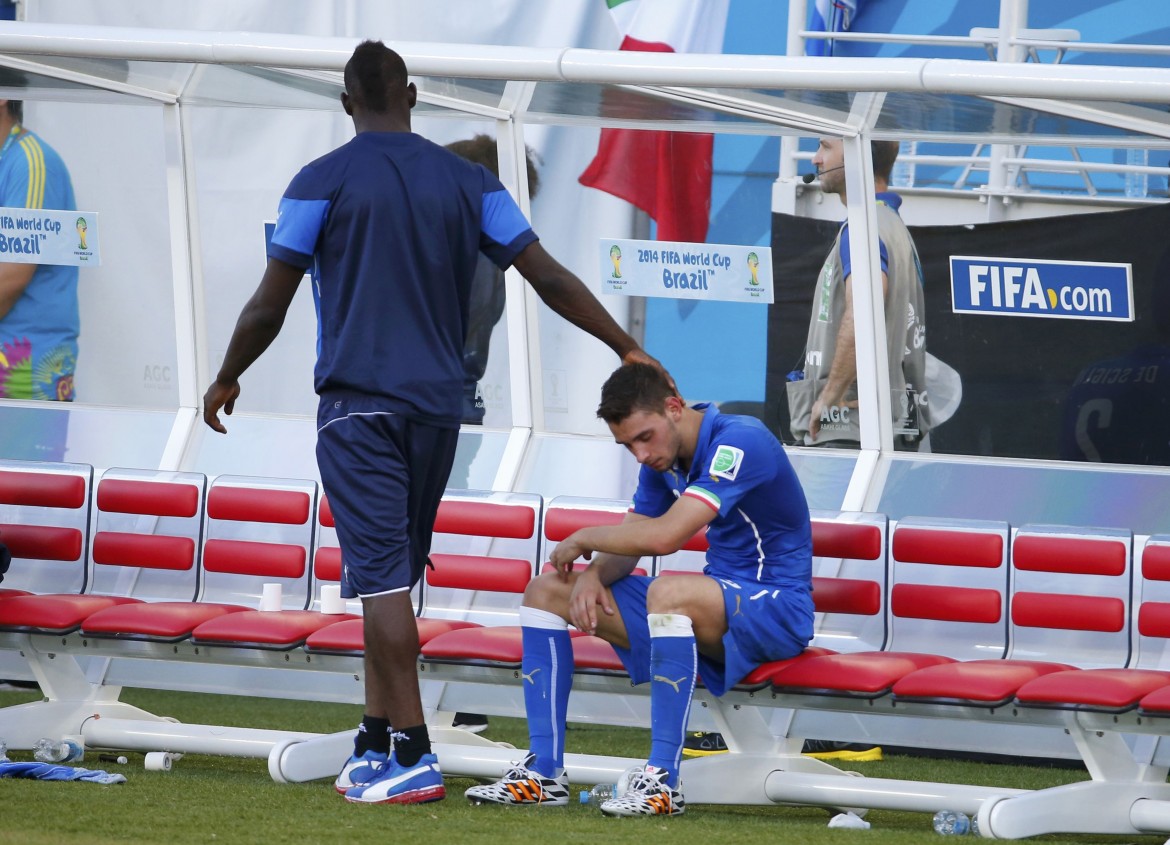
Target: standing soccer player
{"type": "Point", "coordinates": [391, 226]}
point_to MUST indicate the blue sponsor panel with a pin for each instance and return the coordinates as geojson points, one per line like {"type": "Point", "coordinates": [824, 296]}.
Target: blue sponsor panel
{"type": "Point", "coordinates": [1068, 290]}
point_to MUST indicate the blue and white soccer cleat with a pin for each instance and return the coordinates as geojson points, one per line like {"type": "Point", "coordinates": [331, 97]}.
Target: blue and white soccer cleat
{"type": "Point", "coordinates": [359, 770]}
{"type": "Point", "coordinates": [395, 784]}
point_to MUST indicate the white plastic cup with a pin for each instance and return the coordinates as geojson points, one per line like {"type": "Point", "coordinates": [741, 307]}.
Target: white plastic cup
{"type": "Point", "coordinates": [331, 600]}
{"type": "Point", "coordinates": [270, 598]}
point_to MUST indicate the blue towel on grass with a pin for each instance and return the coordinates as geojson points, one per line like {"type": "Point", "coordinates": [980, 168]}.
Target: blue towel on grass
{"type": "Point", "coordinates": [50, 771]}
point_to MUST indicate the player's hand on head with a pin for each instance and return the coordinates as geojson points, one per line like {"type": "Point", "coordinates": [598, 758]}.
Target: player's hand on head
{"type": "Point", "coordinates": [641, 356]}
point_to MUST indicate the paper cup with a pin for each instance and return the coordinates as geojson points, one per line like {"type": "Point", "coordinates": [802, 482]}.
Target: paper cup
{"type": "Point", "coordinates": [270, 598]}
{"type": "Point", "coordinates": [331, 600]}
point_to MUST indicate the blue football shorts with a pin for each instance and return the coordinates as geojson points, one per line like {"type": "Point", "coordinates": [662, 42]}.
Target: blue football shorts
{"type": "Point", "coordinates": [765, 622]}
{"type": "Point", "coordinates": [384, 475]}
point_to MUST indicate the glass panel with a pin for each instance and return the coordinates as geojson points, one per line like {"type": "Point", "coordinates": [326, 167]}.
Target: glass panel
{"type": "Point", "coordinates": [238, 188]}
{"type": "Point", "coordinates": [737, 110]}
{"type": "Point", "coordinates": [126, 349]}
{"type": "Point", "coordinates": [47, 85]}
{"type": "Point", "coordinates": [276, 446]}
{"type": "Point", "coordinates": [227, 85]}
{"type": "Point", "coordinates": [486, 360]}
{"type": "Point", "coordinates": [102, 437]}
{"type": "Point", "coordinates": [1044, 364]}
{"type": "Point", "coordinates": [477, 459]}
{"type": "Point", "coordinates": [985, 120]}
{"type": "Point", "coordinates": [824, 474]}
{"type": "Point", "coordinates": [481, 92]}
{"type": "Point", "coordinates": [1021, 493]}
{"type": "Point", "coordinates": [563, 466]}
{"type": "Point", "coordinates": [165, 77]}
{"type": "Point", "coordinates": [254, 445]}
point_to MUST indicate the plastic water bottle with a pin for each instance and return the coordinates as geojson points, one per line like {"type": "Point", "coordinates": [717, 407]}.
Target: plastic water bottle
{"type": "Point", "coordinates": [56, 751]}
{"type": "Point", "coordinates": [951, 823]}
{"type": "Point", "coordinates": [599, 793]}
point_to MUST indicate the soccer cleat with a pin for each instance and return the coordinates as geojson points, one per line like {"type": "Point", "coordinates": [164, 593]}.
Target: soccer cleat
{"type": "Point", "coordinates": [359, 770]}
{"type": "Point", "coordinates": [521, 786]}
{"type": "Point", "coordinates": [395, 784]}
{"type": "Point", "coordinates": [644, 792]}
{"type": "Point", "coordinates": [824, 749]}
{"type": "Point", "coordinates": [701, 744]}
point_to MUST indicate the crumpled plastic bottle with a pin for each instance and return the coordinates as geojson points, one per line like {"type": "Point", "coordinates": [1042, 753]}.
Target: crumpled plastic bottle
{"type": "Point", "coordinates": [47, 750]}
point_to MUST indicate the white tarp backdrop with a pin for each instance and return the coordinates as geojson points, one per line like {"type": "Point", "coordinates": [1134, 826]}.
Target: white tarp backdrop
{"type": "Point", "coordinates": [243, 161]}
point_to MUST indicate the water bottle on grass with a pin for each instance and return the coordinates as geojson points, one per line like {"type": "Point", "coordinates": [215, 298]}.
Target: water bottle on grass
{"type": "Point", "coordinates": [599, 793]}
{"type": "Point", "coordinates": [951, 823]}
{"type": "Point", "coordinates": [47, 750]}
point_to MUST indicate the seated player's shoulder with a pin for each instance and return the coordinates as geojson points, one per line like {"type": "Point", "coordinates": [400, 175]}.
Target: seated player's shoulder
{"type": "Point", "coordinates": [743, 442]}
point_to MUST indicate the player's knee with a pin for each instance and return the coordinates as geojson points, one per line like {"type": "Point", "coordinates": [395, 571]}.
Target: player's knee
{"type": "Point", "coordinates": [546, 592]}
{"type": "Point", "coordinates": [667, 595]}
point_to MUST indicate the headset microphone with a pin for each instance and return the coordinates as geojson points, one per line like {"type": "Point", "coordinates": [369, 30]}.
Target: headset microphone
{"type": "Point", "coordinates": [809, 178]}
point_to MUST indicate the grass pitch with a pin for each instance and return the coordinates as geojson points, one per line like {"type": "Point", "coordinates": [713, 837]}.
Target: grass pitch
{"type": "Point", "coordinates": [206, 799]}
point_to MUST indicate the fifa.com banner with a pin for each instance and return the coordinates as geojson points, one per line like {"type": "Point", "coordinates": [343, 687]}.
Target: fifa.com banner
{"type": "Point", "coordinates": [1018, 287]}
{"type": "Point", "coordinates": [686, 270]}
{"type": "Point", "coordinates": [45, 236]}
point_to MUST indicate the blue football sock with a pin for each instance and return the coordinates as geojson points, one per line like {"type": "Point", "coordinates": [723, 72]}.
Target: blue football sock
{"type": "Point", "coordinates": [673, 664]}
{"type": "Point", "coordinates": [547, 668]}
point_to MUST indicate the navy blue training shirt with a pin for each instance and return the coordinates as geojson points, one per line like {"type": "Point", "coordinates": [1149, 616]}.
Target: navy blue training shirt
{"type": "Point", "coordinates": [391, 226]}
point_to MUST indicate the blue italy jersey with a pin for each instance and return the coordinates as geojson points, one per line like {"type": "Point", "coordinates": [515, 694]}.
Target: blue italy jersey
{"type": "Point", "coordinates": [762, 531]}
{"type": "Point", "coordinates": [391, 226]}
{"type": "Point", "coordinates": [38, 336]}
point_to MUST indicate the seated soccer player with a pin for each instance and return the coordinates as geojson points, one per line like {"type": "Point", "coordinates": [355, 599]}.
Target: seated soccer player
{"type": "Point", "coordinates": [751, 604]}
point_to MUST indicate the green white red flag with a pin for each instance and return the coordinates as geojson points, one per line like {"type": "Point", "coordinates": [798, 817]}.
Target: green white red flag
{"type": "Point", "coordinates": [666, 174]}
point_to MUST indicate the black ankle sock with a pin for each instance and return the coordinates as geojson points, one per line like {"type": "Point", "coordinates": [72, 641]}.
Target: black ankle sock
{"type": "Point", "coordinates": [410, 744]}
{"type": "Point", "coordinates": [373, 735]}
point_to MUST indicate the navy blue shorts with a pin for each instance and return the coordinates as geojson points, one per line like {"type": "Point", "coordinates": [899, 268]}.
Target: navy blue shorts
{"type": "Point", "coordinates": [765, 623]}
{"type": "Point", "coordinates": [384, 475]}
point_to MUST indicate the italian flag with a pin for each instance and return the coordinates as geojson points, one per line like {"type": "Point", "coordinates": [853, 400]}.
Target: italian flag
{"type": "Point", "coordinates": [666, 174]}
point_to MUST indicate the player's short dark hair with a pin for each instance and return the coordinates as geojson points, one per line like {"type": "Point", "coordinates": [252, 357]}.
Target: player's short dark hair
{"type": "Point", "coordinates": [482, 150]}
{"type": "Point", "coordinates": [884, 154]}
{"type": "Point", "coordinates": [373, 75]}
{"type": "Point", "coordinates": [633, 387]}
{"type": "Point", "coordinates": [16, 110]}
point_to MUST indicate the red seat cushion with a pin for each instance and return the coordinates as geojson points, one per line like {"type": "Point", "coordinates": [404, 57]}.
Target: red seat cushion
{"type": "Point", "coordinates": [1092, 689]}
{"type": "Point", "coordinates": [980, 682]}
{"type": "Point", "coordinates": [347, 636]}
{"type": "Point", "coordinates": [498, 645]}
{"type": "Point", "coordinates": [866, 674]}
{"type": "Point", "coordinates": [495, 644]}
{"type": "Point", "coordinates": [264, 629]}
{"type": "Point", "coordinates": [164, 620]}
{"type": "Point", "coordinates": [57, 613]}
{"type": "Point", "coordinates": [762, 674]}
{"type": "Point", "coordinates": [1156, 702]}
{"type": "Point", "coordinates": [593, 654]}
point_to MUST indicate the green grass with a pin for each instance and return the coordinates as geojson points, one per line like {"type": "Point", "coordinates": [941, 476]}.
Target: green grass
{"type": "Point", "coordinates": [206, 799]}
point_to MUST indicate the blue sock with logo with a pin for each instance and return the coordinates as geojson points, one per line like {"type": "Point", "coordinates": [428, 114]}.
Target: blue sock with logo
{"type": "Point", "coordinates": [547, 668]}
{"type": "Point", "coordinates": [674, 661]}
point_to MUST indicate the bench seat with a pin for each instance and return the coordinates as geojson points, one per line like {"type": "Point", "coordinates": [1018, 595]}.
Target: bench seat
{"type": "Point", "coordinates": [164, 621]}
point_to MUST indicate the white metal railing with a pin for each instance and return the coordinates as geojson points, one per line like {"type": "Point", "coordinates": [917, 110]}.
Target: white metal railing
{"type": "Point", "coordinates": [1012, 42]}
